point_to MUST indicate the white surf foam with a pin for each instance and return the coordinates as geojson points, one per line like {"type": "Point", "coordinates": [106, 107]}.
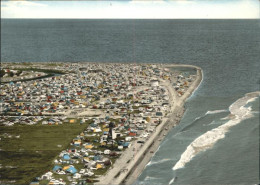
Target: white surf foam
{"type": "Point", "coordinates": [210, 112]}
{"type": "Point", "coordinates": [208, 139]}
{"type": "Point", "coordinates": [251, 100]}
{"type": "Point", "coordinates": [158, 149]}
{"type": "Point", "coordinates": [172, 181]}
{"type": "Point", "coordinates": [197, 118]}
{"type": "Point", "coordinates": [215, 111]}
{"type": "Point", "coordinates": [149, 178]}
{"type": "Point", "coordinates": [211, 123]}
{"type": "Point", "coordinates": [149, 163]}
{"type": "Point", "coordinates": [202, 78]}
{"type": "Point", "coordinates": [158, 162]}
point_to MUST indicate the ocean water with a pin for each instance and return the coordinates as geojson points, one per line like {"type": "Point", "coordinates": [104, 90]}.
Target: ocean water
{"type": "Point", "coordinates": [226, 50]}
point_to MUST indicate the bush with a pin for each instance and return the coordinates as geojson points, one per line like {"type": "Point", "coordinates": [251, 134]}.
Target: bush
{"type": "Point", "coordinates": [2, 73]}
{"type": "Point", "coordinates": [18, 72]}
{"type": "Point", "coordinates": [11, 74]}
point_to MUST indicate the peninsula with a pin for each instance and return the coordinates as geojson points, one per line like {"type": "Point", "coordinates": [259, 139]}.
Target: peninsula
{"type": "Point", "coordinates": [119, 113]}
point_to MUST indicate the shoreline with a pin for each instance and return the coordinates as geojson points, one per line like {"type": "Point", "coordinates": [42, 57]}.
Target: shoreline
{"type": "Point", "coordinates": [127, 172]}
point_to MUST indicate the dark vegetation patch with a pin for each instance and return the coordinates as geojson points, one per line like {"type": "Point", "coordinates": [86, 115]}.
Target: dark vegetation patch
{"type": "Point", "coordinates": [32, 154]}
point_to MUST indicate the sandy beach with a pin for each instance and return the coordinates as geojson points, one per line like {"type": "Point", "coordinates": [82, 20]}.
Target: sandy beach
{"type": "Point", "coordinates": [131, 163]}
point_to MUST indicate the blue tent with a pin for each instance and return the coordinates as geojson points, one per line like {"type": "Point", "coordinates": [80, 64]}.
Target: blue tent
{"type": "Point", "coordinates": [72, 170]}
{"type": "Point", "coordinates": [66, 157]}
{"type": "Point", "coordinates": [125, 145]}
{"type": "Point", "coordinates": [97, 157]}
{"type": "Point", "coordinates": [93, 125]}
{"type": "Point", "coordinates": [56, 168]}
{"type": "Point", "coordinates": [76, 144]}
{"type": "Point", "coordinates": [34, 183]}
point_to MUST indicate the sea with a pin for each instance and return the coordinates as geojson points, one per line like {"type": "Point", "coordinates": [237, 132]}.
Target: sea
{"type": "Point", "coordinates": [228, 51]}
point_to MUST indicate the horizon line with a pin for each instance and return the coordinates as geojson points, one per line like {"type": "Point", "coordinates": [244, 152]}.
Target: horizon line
{"type": "Point", "coordinates": [146, 18]}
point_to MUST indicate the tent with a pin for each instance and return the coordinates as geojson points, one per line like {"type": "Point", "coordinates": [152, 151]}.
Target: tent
{"type": "Point", "coordinates": [66, 157]}
{"type": "Point", "coordinates": [125, 145]}
{"type": "Point", "coordinates": [77, 143]}
{"type": "Point", "coordinates": [66, 167]}
{"type": "Point", "coordinates": [97, 130]}
{"type": "Point", "coordinates": [56, 168]}
{"type": "Point", "coordinates": [72, 170]}
{"type": "Point", "coordinates": [97, 157]}
{"type": "Point", "coordinates": [107, 152]}
{"type": "Point", "coordinates": [89, 146]}
{"type": "Point", "coordinates": [86, 159]}
{"type": "Point", "coordinates": [132, 134]}
{"type": "Point", "coordinates": [93, 125]}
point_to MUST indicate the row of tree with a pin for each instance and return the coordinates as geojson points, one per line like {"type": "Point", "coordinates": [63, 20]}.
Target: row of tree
{"type": "Point", "coordinates": [10, 73]}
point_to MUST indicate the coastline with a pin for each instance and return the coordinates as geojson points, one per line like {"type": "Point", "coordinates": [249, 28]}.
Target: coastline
{"type": "Point", "coordinates": [132, 161]}
{"type": "Point", "coordinates": [126, 172]}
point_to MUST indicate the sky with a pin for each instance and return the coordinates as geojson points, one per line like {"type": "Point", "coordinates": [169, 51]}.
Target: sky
{"type": "Point", "coordinates": [142, 9]}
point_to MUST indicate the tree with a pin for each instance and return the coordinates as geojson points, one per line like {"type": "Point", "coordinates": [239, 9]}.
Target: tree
{"type": "Point", "coordinates": [11, 74]}
{"type": "Point", "coordinates": [2, 73]}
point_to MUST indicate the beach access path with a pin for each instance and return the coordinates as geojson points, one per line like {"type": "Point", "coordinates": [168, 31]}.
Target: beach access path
{"type": "Point", "coordinates": [133, 160]}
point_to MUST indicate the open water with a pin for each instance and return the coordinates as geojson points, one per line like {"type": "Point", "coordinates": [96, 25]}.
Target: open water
{"type": "Point", "coordinates": [226, 50]}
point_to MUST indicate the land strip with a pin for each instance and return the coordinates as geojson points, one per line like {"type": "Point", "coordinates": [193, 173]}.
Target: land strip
{"type": "Point", "coordinates": [132, 107]}
{"type": "Point", "coordinates": [127, 172]}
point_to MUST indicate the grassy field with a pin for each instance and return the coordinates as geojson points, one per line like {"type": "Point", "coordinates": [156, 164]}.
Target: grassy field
{"type": "Point", "coordinates": [32, 154]}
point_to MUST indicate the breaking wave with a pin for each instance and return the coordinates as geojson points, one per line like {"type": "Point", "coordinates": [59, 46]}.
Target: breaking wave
{"type": "Point", "coordinates": [158, 162]}
{"type": "Point", "coordinates": [238, 113]}
{"type": "Point", "coordinates": [211, 123]}
{"type": "Point", "coordinates": [197, 118]}
{"type": "Point", "coordinates": [210, 112]}
{"type": "Point", "coordinates": [251, 100]}
{"type": "Point", "coordinates": [191, 125]}
{"type": "Point", "coordinates": [149, 178]}
{"type": "Point", "coordinates": [157, 149]}
{"type": "Point", "coordinates": [200, 117]}
{"type": "Point", "coordinates": [172, 181]}
{"type": "Point", "coordinates": [202, 78]}
{"type": "Point", "coordinates": [215, 112]}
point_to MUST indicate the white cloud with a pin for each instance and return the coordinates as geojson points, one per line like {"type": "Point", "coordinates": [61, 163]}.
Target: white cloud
{"type": "Point", "coordinates": [184, 2]}
{"type": "Point", "coordinates": [146, 2]}
{"type": "Point", "coordinates": [22, 4]}
{"type": "Point", "coordinates": [21, 9]}
{"type": "Point", "coordinates": [132, 9]}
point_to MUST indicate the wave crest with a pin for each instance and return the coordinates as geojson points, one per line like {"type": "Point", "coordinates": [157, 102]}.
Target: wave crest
{"type": "Point", "coordinates": [158, 162]}
{"type": "Point", "coordinates": [208, 139]}
{"type": "Point", "coordinates": [215, 111]}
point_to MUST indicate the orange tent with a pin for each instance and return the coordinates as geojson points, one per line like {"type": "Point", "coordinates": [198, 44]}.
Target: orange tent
{"type": "Point", "coordinates": [89, 146]}
{"type": "Point", "coordinates": [99, 166]}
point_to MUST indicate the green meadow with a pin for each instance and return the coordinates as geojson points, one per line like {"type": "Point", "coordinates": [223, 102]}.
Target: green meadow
{"type": "Point", "coordinates": [31, 153]}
